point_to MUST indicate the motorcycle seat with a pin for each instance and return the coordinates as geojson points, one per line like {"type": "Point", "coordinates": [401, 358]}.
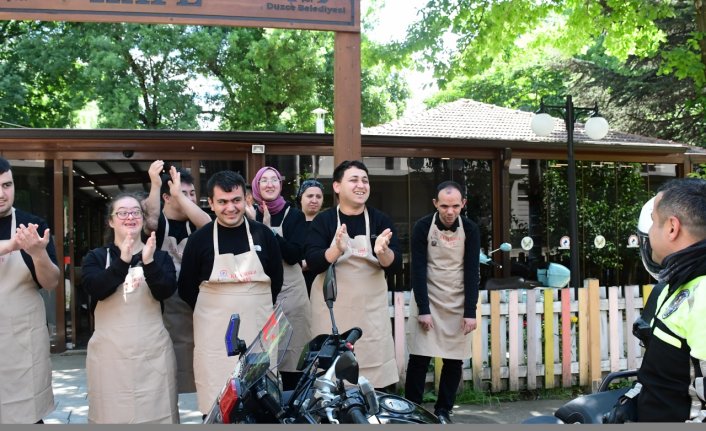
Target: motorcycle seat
{"type": "Point", "coordinates": [510, 283]}
{"type": "Point", "coordinates": [589, 409]}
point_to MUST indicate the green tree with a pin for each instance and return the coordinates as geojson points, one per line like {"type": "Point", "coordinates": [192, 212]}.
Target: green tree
{"type": "Point", "coordinates": [643, 61]}
{"type": "Point", "coordinates": [40, 82]}
{"type": "Point", "coordinates": [610, 197]}
{"type": "Point", "coordinates": [136, 74]}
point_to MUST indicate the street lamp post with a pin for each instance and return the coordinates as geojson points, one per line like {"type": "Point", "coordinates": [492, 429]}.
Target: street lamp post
{"type": "Point", "coordinates": [596, 128]}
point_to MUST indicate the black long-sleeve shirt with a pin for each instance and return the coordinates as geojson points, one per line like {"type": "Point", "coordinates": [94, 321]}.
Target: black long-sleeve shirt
{"type": "Point", "coordinates": [101, 282]}
{"type": "Point", "coordinates": [294, 230]}
{"type": "Point", "coordinates": [22, 217]}
{"type": "Point", "coordinates": [323, 230]}
{"type": "Point", "coordinates": [197, 260]}
{"type": "Point", "coordinates": [471, 266]}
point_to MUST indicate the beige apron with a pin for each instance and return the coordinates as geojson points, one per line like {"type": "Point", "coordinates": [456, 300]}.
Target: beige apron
{"type": "Point", "coordinates": [237, 284]}
{"type": "Point", "coordinates": [130, 361]}
{"type": "Point", "coordinates": [362, 301]}
{"type": "Point", "coordinates": [25, 368]}
{"type": "Point", "coordinates": [178, 317]}
{"type": "Point", "coordinates": [445, 254]}
{"type": "Point", "coordinates": [296, 306]}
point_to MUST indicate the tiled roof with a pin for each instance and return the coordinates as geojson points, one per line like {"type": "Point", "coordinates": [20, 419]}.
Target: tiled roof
{"type": "Point", "coordinates": [468, 119]}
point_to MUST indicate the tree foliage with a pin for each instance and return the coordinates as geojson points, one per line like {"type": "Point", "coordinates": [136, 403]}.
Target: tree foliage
{"type": "Point", "coordinates": [177, 77]}
{"type": "Point", "coordinates": [40, 83]}
{"type": "Point", "coordinates": [626, 54]}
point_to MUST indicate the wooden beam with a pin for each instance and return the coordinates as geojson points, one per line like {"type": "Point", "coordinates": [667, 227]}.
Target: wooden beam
{"type": "Point", "coordinates": [346, 97]}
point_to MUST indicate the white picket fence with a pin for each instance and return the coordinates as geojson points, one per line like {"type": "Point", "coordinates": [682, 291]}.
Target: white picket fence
{"type": "Point", "coordinates": [521, 334]}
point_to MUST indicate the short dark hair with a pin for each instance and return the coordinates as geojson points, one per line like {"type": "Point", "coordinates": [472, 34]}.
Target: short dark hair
{"type": "Point", "coordinates": [226, 180]}
{"type": "Point", "coordinates": [186, 178]}
{"type": "Point", "coordinates": [685, 198]}
{"type": "Point", "coordinates": [344, 166]}
{"type": "Point", "coordinates": [4, 165]}
{"type": "Point", "coordinates": [447, 185]}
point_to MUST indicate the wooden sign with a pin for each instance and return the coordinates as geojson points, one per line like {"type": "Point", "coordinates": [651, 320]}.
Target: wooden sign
{"type": "Point", "coordinates": [334, 15]}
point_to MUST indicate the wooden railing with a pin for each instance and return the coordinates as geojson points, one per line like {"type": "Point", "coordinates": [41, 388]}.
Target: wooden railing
{"type": "Point", "coordinates": [577, 335]}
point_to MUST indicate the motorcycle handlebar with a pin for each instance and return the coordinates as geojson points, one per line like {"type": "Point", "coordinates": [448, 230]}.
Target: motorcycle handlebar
{"type": "Point", "coordinates": [355, 415]}
{"type": "Point", "coordinates": [354, 335]}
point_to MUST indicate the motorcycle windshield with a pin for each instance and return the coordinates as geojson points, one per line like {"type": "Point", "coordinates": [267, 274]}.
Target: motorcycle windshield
{"type": "Point", "coordinates": [266, 351]}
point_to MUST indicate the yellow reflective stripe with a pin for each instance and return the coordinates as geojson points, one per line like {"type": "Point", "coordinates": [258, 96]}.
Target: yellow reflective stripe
{"type": "Point", "coordinates": [667, 338]}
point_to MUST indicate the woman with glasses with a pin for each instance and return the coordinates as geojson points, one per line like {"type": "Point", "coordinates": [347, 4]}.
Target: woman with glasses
{"type": "Point", "coordinates": [289, 227]}
{"type": "Point", "coordinates": [130, 363]}
{"type": "Point", "coordinates": [310, 198]}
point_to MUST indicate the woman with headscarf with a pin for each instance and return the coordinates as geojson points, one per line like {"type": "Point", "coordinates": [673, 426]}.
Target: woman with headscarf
{"type": "Point", "coordinates": [310, 198]}
{"type": "Point", "coordinates": [289, 227]}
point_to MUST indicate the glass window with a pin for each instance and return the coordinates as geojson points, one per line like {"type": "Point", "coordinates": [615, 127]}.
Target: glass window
{"type": "Point", "coordinates": [610, 196]}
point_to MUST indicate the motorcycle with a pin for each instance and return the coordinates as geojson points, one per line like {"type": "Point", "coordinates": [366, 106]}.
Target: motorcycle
{"type": "Point", "coordinates": [551, 275]}
{"type": "Point", "coordinates": [329, 391]}
{"type": "Point", "coordinates": [588, 409]}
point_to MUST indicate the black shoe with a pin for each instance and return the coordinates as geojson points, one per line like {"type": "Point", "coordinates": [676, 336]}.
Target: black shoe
{"type": "Point", "coordinates": [443, 416]}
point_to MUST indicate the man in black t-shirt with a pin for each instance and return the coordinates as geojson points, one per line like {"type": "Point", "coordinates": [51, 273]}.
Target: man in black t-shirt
{"type": "Point", "coordinates": [174, 224]}
{"type": "Point", "coordinates": [27, 264]}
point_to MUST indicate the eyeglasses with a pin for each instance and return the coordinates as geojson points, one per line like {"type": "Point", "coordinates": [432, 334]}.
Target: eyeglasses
{"type": "Point", "coordinates": [265, 181]}
{"type": "Point", "coordinates": [123, 215]}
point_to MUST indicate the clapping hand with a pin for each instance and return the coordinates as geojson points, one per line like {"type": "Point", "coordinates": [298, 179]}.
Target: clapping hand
{"type": "Point", "coordinates": [149, 248]}
{"type": "Point", "coordinates": [382, 242]}
{"type": "Point", "coordinates": [266, 218]}
{"type": "Point", "coordinates": [27, 238]}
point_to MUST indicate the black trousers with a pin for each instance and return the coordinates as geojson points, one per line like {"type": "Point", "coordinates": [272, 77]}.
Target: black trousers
{"type": "Point", "coordinates": [450, 378]}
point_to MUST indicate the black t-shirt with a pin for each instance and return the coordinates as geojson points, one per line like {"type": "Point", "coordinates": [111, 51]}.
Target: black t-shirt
{"type": "Point", "coordinates": [294, 230]}
{"type": "Point", "coordinates": [177, 229]}
{"type": "Point", "coordinates": [101, 282]}
{"type": "Point", "coordinates": [197, 260]}
{"type": "Point", "coordinates": [25, 218]}
{"type": "Point", "coordinates": [471, 274]}
{"type": "Point", "coordinates": [323, 230]}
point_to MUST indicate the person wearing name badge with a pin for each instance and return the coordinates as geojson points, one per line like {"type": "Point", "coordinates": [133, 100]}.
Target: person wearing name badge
{"type": "Point", "coordinates": [288, 225]}
{"type": "Point", "coordinates": [230, 265]}
{"type": "Point", "coordinates": [445, 281]}
{"type": "Point", "coordinates": [27, 264]}
{"type": "Point", "coordinates": [173, 222]}
{"type": "Point", "coordinates": [130, 362]}
{"type": "Point", "coordinates": [362, 243]}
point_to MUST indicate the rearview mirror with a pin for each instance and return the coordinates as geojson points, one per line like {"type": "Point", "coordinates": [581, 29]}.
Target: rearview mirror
{"type": "Point", "coordinates": [347, 367]}
{"type": "Point", "coordinates": [505, 247]}
{"type": "Point", "coordinates": [234, 345]}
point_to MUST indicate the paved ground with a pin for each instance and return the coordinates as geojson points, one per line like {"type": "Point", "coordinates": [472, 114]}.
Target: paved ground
{"type": "Point", "coordinates": [70, 394]}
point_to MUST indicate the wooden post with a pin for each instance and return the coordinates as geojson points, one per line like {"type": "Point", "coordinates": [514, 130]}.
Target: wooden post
{"type": "Point", "coordinates": [583, 338]}
{"type": "Point", "coordinates": [495, 359]}
{"type": "Point", "coordinates": [346, 97]}
{"type": "Point", "coordinates": [477, 349]}
{"type": "Point", "coordinates": [532, 323]}
{"type": "Point", "coordinates": [513, 341]}
{"type": "Point", "coordinates": [566, 337]}
{"type": "Point", "coordinates": [594, 328]}
{"type": "Point", "coordinates": [548, 338]}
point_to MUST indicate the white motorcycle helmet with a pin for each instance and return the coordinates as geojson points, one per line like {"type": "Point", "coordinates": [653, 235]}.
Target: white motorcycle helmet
{"type": "Point", "coordinates": [643, 227]}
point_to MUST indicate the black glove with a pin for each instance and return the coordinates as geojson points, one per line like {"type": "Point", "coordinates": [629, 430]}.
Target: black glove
{"type": "Point", "coordinates": [625, 409]}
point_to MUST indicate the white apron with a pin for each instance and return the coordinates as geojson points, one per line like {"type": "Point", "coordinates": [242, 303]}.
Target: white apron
{"type": "Point", "coordinates": [296, 306]}
{"type": "Point", "coordinates": [178, 317]}
{"type": "Point", "coordinates": [237, 284]}
{"type": "Point", "coordinates": [445, 253]}
{"type": "Point", "coordinates": [25, 368]}
{"type": "Point", "coordinates": [362, 301]}
{"type": "Point", "coordinates": [130, 361]}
